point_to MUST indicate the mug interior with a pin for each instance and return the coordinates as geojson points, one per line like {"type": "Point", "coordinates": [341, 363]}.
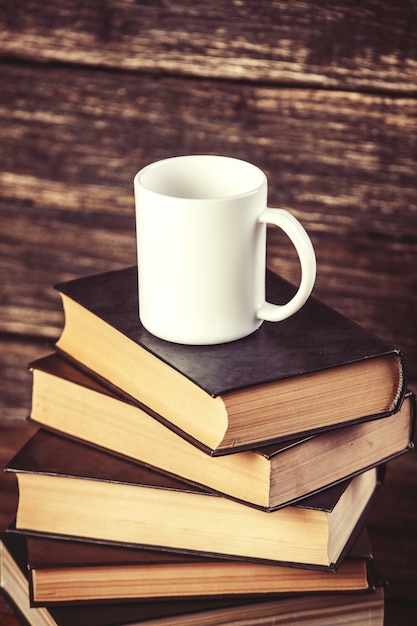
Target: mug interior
{"type": "Point", "coordinates": [204, 177]}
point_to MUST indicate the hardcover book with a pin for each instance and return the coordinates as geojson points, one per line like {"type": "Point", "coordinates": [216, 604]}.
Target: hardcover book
{"type": "Point", "coordinates": [69, 571]}
{"type": "Point", "coordinates": [330, 609]}
{"type": "Point", "coordinates": [67, 488]}
{"type": "Point", "coordinates": [313, 371]}
{"type": "Point", "coordinates": [67, 400]}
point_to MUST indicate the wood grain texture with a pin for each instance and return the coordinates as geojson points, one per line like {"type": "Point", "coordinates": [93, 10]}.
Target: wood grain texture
{"type": "Point", "coordinates": [368, 45]}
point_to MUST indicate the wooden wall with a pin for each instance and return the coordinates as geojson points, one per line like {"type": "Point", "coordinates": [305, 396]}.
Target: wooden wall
{"type": "Point", "coordinates": [322, 95]}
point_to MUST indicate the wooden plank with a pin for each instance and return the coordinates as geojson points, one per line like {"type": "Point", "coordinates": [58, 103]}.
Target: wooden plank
{"type": "Point", "coordinates": [73, 139]}
{"type": "Point", "coordinates": [363, 46]}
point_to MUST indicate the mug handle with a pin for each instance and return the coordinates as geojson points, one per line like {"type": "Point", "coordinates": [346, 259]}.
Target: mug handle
{"type": "Point", "coordinates": [302, 243]}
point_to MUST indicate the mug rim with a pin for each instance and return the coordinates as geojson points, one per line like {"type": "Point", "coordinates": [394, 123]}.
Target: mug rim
{"type": "Point", "coordinates": [258, 173]}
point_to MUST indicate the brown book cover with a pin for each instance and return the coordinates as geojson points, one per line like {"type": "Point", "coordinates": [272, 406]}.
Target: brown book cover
{"type": "Point", "coordinates": [332, 608]}
{"type": "Point", "coordinates": [47, 551]}
{"type": "Point", "coordinates": [313, 371]}
{"type": "Point", "coordinates": [67, 488]}
{"type": "Point", "coordinates": [67, 400]}
{"type": "Point", "coordinates": [65, 570]}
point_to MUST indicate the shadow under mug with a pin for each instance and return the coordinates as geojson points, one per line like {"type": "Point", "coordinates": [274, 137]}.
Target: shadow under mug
{"type": "Point", "coordinates": [201, 244]}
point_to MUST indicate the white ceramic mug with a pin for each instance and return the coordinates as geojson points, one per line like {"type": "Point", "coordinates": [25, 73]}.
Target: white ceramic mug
{"type": "Point", "coordinates": [201, 238]}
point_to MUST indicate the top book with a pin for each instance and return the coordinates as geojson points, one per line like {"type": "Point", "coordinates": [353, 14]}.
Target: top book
{"type": "Point", "coordinates": [314, 371]}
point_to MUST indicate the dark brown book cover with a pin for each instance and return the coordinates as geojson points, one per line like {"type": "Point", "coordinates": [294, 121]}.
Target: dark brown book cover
{"type": "Point", "coordinates": [48, 553]}
{"type": "Point", "coordinates": [47, 453]}
{"type": "Point", "coordinates": [50, 453]}
{"type": "Point", "coordinates": [190, 612]}
{"type": "Point", "coordinates": [316, 339]}
{"type": "Point", "coordinates": [53, 364]}
{"type": "Point", "coordinates": [45, 551]}
{"type": "Point", "coordinates": [108, 613]}
{"type": "Point", "coordinates": [65, 399]}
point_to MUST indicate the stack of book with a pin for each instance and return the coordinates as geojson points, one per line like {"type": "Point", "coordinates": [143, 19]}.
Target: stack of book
{"type": "Point", "coordinates": [229, 484]}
